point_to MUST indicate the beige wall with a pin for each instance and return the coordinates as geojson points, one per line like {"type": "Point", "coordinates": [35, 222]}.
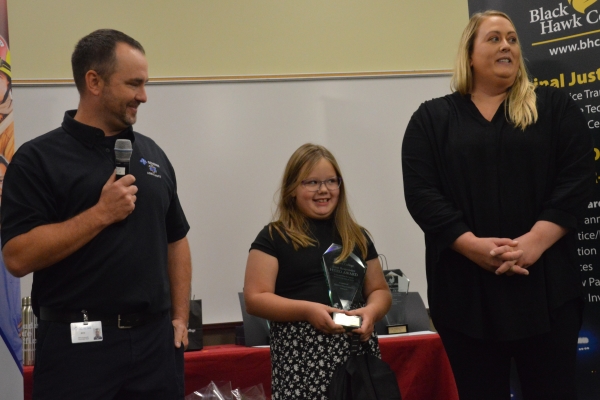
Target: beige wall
{"type": "Point", "coordinates": [217, 38]}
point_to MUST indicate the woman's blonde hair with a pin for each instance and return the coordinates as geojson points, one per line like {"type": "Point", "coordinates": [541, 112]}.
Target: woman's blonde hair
{"type": "Point", "coordinates": [521, 100]}
{"type": "Point", "coordinates": [289, 220]}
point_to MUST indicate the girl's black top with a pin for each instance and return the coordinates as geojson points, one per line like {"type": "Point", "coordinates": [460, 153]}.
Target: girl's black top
{"type": "Point", "coordinates": [301, 275]}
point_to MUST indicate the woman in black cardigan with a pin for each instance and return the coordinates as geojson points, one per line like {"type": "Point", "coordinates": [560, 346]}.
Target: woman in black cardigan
{"type": "Point", "coordinates": [497, 175]}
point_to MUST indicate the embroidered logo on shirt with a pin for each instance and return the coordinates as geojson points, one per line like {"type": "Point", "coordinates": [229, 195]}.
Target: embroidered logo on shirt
{"type": "Point", "coordinates": [152, 168]}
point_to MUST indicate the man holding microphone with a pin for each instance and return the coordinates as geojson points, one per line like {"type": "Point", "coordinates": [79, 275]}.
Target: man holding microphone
{"type": "Point", "coordinates": [109, 256]}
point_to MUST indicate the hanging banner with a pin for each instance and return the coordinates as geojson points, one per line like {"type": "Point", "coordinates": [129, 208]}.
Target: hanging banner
{"type": "Point", "coordinates": [11, 345]}
{"type": "Point", "coordinates": [561, 47]}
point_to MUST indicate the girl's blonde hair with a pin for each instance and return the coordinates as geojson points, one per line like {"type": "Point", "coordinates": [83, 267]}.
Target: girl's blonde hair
{"type": "Point", "coordinates": [291, 223]}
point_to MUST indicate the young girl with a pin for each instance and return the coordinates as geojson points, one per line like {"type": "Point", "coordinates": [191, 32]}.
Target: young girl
{"type": "Point", "coordinates": [285, 281]}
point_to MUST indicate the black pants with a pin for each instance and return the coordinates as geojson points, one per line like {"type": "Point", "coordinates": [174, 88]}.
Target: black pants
{"type": "Point", "coordinates": [546, 363]}
{"type": "Point", "coordinates": [136, 363]}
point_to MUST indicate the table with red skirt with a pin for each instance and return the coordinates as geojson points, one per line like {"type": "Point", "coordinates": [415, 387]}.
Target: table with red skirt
{"type": "Point", "coordinates": [419, 361]}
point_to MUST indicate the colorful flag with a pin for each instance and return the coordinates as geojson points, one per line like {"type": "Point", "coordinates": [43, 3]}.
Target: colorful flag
{"type": "Point", "coordinates": [11, 345]}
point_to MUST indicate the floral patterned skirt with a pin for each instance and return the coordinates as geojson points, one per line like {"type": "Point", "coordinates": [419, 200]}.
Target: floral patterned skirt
{"type": "Point", "coordinates": [303, 359]}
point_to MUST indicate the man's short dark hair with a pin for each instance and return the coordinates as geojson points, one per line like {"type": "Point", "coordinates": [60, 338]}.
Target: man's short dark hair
{"type": "Point", "coordinates": [96, 51]}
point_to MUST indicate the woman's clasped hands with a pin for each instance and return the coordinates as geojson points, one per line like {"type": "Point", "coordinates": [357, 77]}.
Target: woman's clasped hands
{"type": "Point", "coordinates": [509, 256]}
{"type": "Point", "coordinates": [496, 255]}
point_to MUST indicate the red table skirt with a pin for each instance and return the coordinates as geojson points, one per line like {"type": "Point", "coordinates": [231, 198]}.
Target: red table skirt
{"type": "Point", "coordinates": [420, 363]}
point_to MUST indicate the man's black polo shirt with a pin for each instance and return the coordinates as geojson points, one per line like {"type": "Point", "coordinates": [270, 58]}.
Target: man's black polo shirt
{"type": "Point", "coordinates": [124, 268]}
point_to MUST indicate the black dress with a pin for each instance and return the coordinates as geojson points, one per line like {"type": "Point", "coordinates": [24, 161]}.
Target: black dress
{"type": "Point", "coordinates": [463, 173]}
{"type": "Point", "coordinates": [302, 358]}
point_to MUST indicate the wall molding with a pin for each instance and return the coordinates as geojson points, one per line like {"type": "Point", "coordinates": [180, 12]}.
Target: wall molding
{"type": "Point", "coordinates": [252, 78]}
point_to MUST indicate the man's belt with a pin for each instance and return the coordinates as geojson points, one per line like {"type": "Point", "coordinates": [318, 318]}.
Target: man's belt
{"type": "Point", "coordinates": [122, 321]}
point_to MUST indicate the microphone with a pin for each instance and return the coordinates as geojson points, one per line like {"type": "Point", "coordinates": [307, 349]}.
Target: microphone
{"type": "Point", "coordinates": [123, 150]}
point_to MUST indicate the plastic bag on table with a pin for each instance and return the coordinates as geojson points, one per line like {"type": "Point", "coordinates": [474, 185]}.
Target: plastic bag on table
{"type": "Point", "coordinates": [252, 393]}
{"type": "Point", "coordinates": [213, 391]}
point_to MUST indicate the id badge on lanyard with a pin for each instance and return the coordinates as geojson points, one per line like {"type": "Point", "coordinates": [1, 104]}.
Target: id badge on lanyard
{"type": "Point", "coordinates": [86, 331]}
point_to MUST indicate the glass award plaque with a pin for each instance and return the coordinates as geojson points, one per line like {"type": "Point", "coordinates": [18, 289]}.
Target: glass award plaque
{"type": "Point", "coordinates": [395, 319]}
{"type": "Point", "coordinates": [345, 281]}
